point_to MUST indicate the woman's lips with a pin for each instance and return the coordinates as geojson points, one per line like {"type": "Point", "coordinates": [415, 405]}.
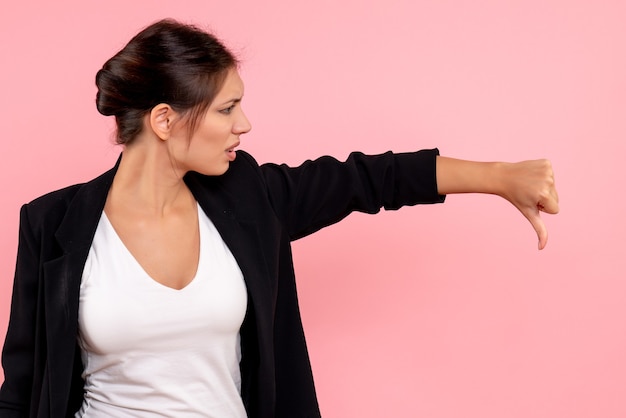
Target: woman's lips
{"type": "Point", "coordinates": [232, 154]}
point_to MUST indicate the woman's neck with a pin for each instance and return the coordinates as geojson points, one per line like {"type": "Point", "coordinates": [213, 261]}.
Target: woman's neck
{"type": "Point", "coordinates": [148, 181]}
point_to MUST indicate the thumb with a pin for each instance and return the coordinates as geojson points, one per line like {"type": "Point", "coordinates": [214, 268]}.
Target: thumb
{"type": "Point", "coordinates": [533, 216]}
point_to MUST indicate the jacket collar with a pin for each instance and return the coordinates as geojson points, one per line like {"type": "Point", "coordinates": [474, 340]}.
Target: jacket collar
{"type": "Point", "coordinates": [79, 224]}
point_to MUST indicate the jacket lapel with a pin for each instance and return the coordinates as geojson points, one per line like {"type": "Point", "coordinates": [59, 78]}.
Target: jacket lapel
{"type": "Point", "coordinates": [240, 235]}
{"type": "Point", "coordinates": [62, 278]}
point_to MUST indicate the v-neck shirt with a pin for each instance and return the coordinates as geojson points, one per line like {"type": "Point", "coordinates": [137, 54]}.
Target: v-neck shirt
{"type": "Point", "coordinates": [149, 350]}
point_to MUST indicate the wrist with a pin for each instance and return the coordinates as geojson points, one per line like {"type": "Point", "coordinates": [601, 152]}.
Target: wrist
{"type": "Point", "coordinates": [497, 178]}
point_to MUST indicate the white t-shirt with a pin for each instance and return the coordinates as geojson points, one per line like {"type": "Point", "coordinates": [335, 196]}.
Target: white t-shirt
{"type": "Point", "coordinates": [153, 351]}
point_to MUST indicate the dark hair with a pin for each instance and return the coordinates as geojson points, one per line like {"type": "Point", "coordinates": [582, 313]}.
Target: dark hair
{"type": "Point", "coordinates": [167, 62]}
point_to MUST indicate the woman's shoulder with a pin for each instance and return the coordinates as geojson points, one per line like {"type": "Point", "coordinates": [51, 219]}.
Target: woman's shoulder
{"type": "Point", "coordinates": [62, 197]}
{"type": "Point", "coordinates": [53, 201]}
{"type": "Point", "coordinates": [46, 212]}
{"type": "Point", "coordinates": [55, 205]}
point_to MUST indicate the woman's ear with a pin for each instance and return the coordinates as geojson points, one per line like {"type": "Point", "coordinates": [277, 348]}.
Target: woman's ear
{"type": "Point", "coordinates": [161, 119]}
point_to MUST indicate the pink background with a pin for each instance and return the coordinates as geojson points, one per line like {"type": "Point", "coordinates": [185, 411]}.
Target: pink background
{"type": "Point", "coordinates": [436, 311]}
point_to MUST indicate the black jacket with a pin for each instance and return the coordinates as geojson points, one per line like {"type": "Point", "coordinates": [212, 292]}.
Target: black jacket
{"type": "Point", "coordinates": [258, 211]}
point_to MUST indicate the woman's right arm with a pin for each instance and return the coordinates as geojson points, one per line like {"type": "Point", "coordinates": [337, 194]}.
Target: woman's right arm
{"type": "Point", "coordinates": [18, 354]}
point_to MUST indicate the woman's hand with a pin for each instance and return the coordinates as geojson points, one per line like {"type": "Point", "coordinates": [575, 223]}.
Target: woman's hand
{"type": "Point", "coordinates": [528, 185]}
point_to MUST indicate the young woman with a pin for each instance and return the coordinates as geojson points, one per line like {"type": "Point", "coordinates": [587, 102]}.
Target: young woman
{"type": "Point", "coordinates": [165, 287]}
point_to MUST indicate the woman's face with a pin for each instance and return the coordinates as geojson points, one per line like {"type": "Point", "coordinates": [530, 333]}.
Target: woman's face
{"type": "Point", "coordinates": [212, 145]}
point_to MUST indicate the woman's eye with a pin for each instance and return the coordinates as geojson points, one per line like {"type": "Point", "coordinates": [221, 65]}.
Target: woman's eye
{"type": "Point", "coordinates": [228, 109]}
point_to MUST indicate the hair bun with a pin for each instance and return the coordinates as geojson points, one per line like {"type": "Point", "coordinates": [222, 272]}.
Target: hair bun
{"type": "Point", "coordinates": [109, 101]}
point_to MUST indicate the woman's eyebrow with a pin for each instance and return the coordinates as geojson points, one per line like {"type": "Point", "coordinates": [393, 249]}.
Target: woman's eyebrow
{"type": "Point", "coordinates": [233, 101]}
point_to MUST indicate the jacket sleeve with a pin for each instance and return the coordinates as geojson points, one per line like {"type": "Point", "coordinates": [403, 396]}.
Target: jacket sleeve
{"type": "Point", "coordinates": [321, 192]}
{"type": "Point", "coordinates": [18, 355]}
